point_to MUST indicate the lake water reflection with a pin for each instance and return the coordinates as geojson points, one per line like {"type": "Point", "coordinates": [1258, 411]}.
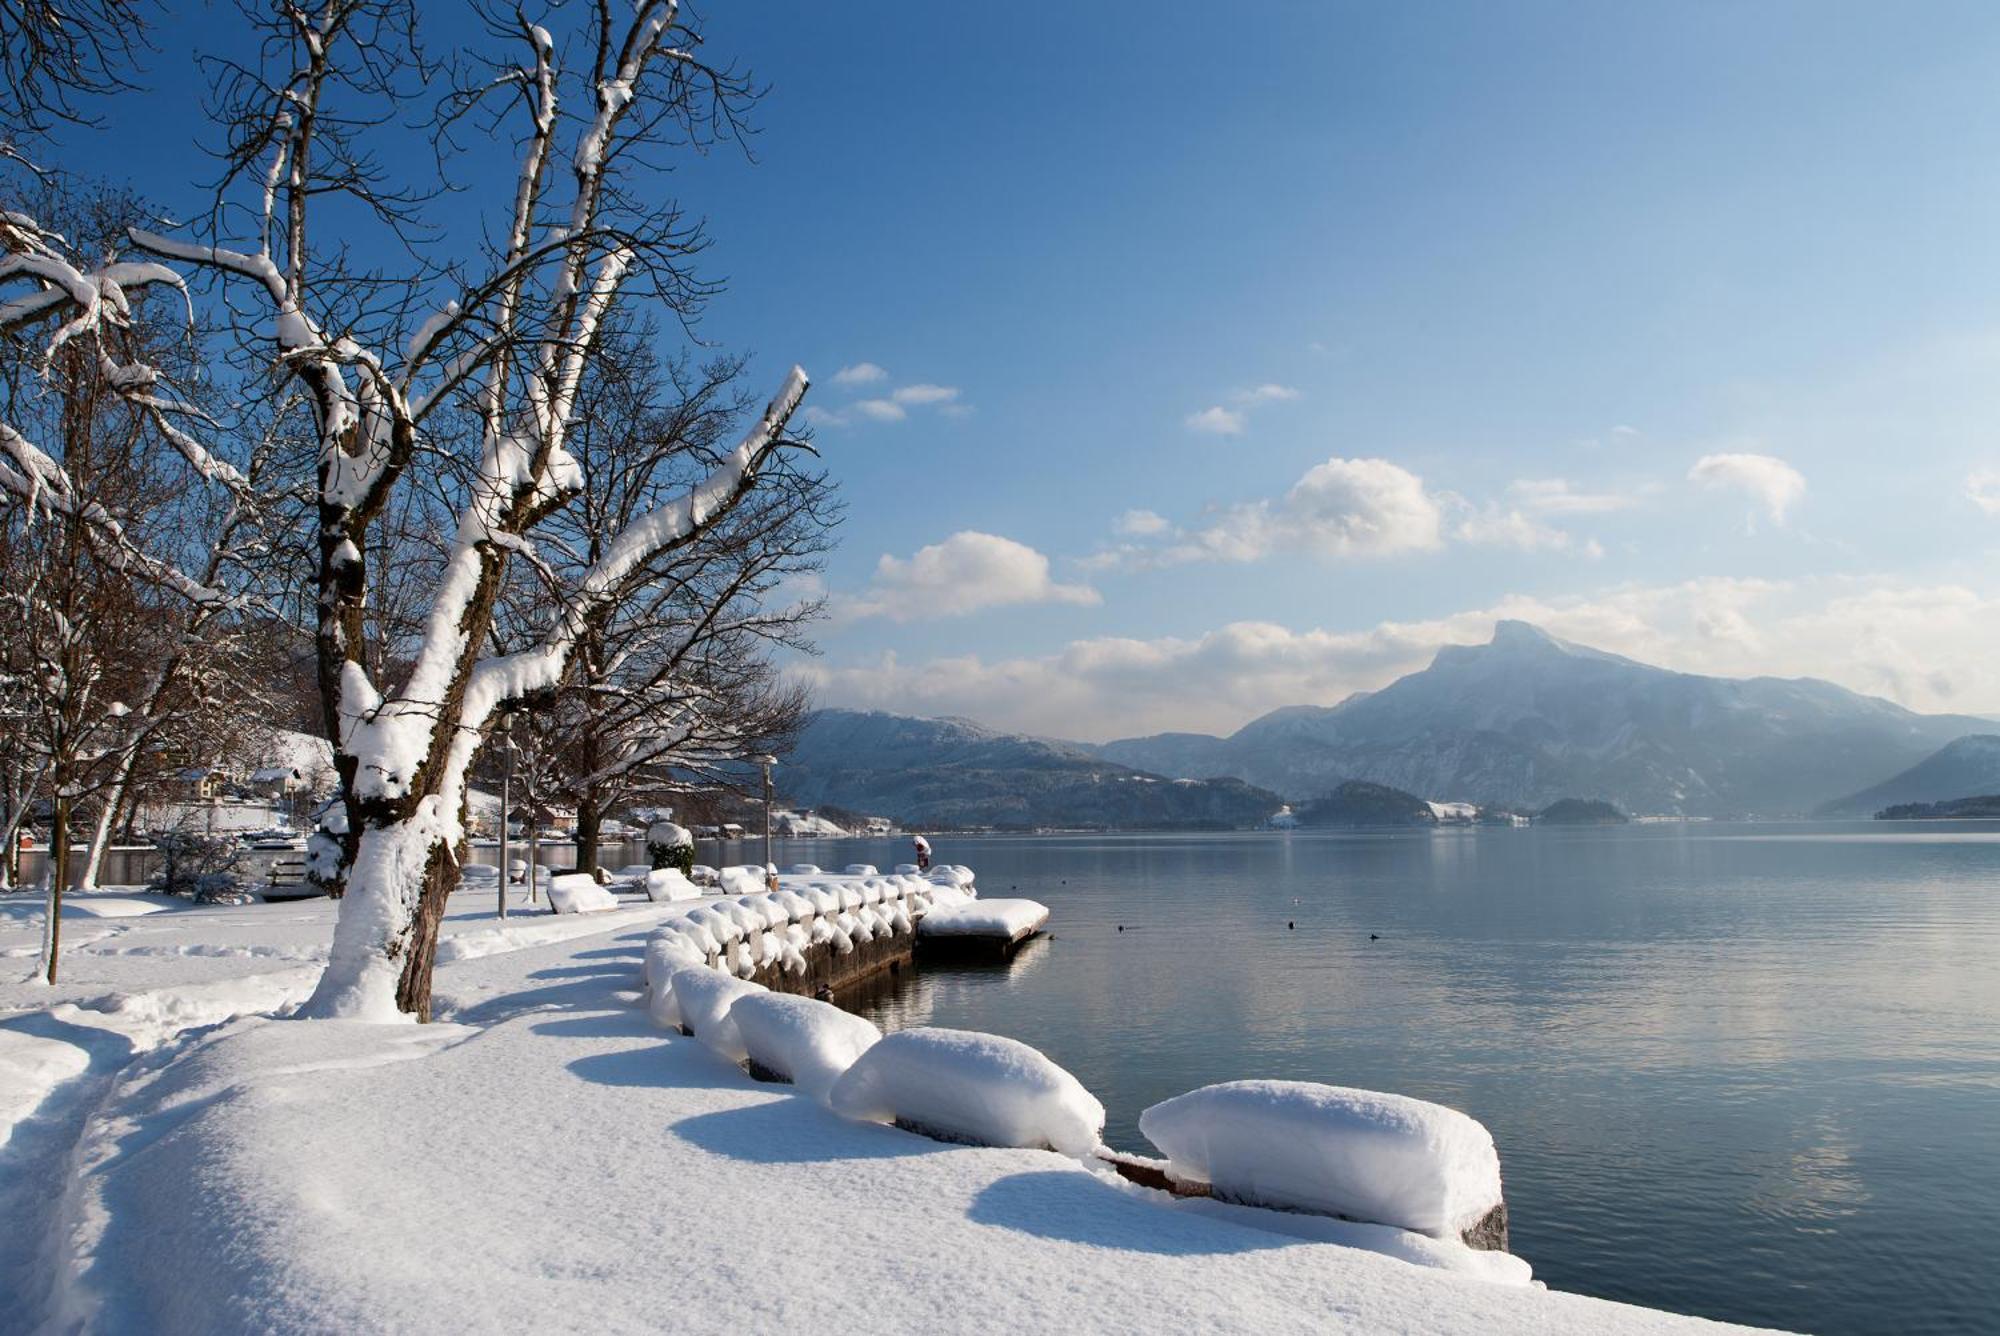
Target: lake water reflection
{"type": "Point", "coordinates": [1751, 1072]}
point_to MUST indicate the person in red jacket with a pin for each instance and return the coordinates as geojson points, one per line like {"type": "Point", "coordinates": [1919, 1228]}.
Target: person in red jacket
{"type": "Point", "coordinates": [923, 854]}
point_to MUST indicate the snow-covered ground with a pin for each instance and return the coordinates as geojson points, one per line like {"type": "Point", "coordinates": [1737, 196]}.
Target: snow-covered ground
{"type": "Point", "coordinates": [544, 1158]}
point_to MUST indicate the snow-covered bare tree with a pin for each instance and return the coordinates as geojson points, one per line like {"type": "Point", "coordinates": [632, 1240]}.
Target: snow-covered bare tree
{"type": "Point", "coordinates": [674, 687]}
{"type": "Point", "coordinates": [100, 488]}
{"type": "Point", "coordinates": [507, 336]}
{"type": "Point", "coordinates": [57, 54]}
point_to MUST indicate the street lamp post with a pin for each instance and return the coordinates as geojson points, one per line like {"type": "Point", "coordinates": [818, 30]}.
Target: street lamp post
{"type": "Point", "coordinates": [506, 801]}
{"type": "Point", "coordinates": [767, 762]}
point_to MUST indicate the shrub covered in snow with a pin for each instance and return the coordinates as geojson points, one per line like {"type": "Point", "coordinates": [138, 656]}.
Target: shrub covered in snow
{"type": "Point", "coordinates": [801, 1039]}
{"type": "Point", "coordinates": [978, 1088]}
{"type": "Point", "coordinates": [1387, 1159]}
{"type": "Point", "coordinates": [703, 997]}
{"type": "Point", "coordinates": [670, 846]}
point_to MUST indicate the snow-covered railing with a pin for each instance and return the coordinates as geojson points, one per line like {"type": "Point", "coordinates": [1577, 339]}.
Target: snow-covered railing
{"type": "Point", "coordinates": [775, 930]}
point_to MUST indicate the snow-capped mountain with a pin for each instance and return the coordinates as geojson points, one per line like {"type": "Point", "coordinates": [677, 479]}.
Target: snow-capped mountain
{"type": "Point", "coordinates": [1529, 718]}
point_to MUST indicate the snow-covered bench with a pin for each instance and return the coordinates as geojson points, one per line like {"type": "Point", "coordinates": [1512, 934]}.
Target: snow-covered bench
{"type": "Point", "coordinates": [579, 893]}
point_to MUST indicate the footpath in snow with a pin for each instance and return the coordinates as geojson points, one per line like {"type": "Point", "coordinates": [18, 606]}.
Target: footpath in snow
{"type": "Point", "coordinates": [547, 1158]}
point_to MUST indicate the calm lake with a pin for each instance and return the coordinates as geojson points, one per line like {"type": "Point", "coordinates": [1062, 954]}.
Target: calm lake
{"type": "Point", "coordinates": [1746, 1071]}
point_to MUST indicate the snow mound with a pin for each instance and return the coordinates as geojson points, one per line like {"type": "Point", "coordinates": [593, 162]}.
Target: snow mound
{"type": "Point", "coordinates": [861, 870]}
{"type": "Point", "coordinates": [1009, 919]}
{"type": "Point", "coordinates": [670, 883]}
{"type": "Point", "coordinates": [951, 874]}
{"type": "Point", "coordinates": [704, 997]}
{"type": "Point", "coordinates": [747, 879]}
{"type": "Point", "coordinates": [801, 1038]}
{"type": "Point", "coordinates": [979, 1088]}
{"type": "Point", "coordinates": [804, 869]}
{"type": "Point", "coordinates": [578, 893]}
{"type": "Point", "coordinates": [1386, 1159]}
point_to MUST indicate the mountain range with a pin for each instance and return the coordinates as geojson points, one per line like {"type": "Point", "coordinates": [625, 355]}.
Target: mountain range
{"type": "Point", "coordinates": [1519, 723]}
{"type": "Point", "coordinates": [1962, 768]}
{"type": "Point", "coordinates": [946, 773]}
{"type": "Point", "coordinates": [1527, 718]}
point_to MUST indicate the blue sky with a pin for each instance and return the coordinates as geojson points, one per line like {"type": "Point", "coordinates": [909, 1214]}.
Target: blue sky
{"type": "Point", "coordinates": [1236, 356]}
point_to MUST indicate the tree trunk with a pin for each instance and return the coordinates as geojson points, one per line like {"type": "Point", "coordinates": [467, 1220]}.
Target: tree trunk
{"type": "Point", "coordinates": [100, 834]}
{"type": "Point", "coordinates": [395, 870]}
{"type": "Point", "coordinates": [588, 819]}
{"type": "Point", "coordinates": [58, 880]}
{"type": "Point", "coordinates": [413, 990]}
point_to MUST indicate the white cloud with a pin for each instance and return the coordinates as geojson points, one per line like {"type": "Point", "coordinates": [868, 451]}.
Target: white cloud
{"type": "Point", "coordinates": [1555, 496]}
{"type": "Point", "coordinates": [1518, 521]}
{"type": "Point", "coordinates": [924, 394]}
{"type": "Point", "coordinates": [1494, 526]}
{"type": "Point", "coordinates": [891, 407]}
{"type": "Point", "coordinates": [1982, 488]}
{"type": "Point", "coordinates": [1141, 524]}
{"type": "Point", "coordinates": [1768, 480]}
{"type": "Point", "coordinates": [1341, 508]}
{"type": "Point", "coordinates": [1359, 507]}
{"type": "Point", "coordinates": [880, 410]}
{"type": "Point", "coordinates": [861, 373]}
{"type": "Point", "coordinates": [1622, 430]}
{"type": "Point", "coordinates": [966, 572]}
{"type": "Point", "coordinates": [1216, 421]}
{"type": "Point", "coordinates": [1929, 647]}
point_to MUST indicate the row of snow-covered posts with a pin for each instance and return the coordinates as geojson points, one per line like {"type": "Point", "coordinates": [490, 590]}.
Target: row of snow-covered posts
{"type": "Point", "coordinates": [738, 975]}
{"type": "Point", "coordinates": [818, 932]}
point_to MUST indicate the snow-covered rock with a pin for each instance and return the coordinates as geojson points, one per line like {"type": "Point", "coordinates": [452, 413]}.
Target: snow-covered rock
{"type": "Point", "coordinates": [578, 893]}
{"type": "Point", "coordinates": [1387, 1159]}
{"type": "Point", "coordinates": [704, 997]}
{"type": "Point", "coordinates": [809, 1042]}
{"type": "Point", "coordinates": [978, 1088]}
{"type": "Point", "coordinates": [1002, 919]}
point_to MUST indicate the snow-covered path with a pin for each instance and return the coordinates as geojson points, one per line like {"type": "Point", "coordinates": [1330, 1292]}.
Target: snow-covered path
{"type": "Point", "coordinates": [545, 1159]}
